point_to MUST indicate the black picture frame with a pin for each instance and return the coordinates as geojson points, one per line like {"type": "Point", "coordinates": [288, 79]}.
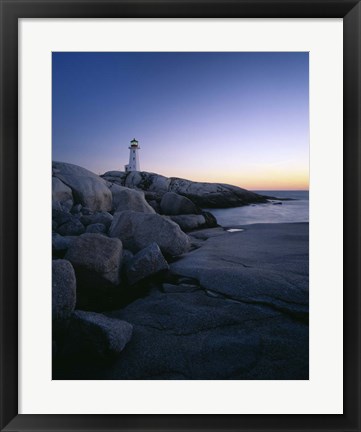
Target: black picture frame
{"type": "Point", "coordinates": [11, 11]}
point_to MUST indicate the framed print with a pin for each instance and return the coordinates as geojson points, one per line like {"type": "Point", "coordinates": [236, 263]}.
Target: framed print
{"type": "Point", "coordinates": [202, 244]}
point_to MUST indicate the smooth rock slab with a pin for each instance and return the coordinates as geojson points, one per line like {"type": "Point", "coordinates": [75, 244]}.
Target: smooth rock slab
{"type": "Point", "coordinates": [265, 263]}
{"type": "Point", "coordinates": [146, 263]}
{"type": "Point", "coordinates": [138, 230]}
{"type": "Point", "coordinates": [63, 291]}
{"type": "Point", "coordinates": [94, 335]}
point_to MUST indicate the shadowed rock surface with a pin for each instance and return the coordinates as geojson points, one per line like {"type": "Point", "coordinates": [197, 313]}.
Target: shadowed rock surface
{"type": "Point", "coordinates": [63, 292]}
{"type": "Point", "coordinates": [95, 336]}
{"type": "Point", "coordinates": [206, 324]}
{"type": "Point", "coordinates": [145, 263]}
{"type": "Point", "coordinates": [97, 262]}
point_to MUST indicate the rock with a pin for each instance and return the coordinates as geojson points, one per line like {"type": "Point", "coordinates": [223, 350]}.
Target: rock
{"type": "Point", "coordinates": [155, 205]}
{"type": "Point", "coordinates": [97, 254]}
{"type": "Point", "coordinates": [72, 227]}
{"type": "Point", "coordinates": [116, 177]}
{"type": "Point", "coordinates": [127, 257]}
{"type": "Point", "coordinates": [244, 324]}
{"type": "Point", "coordinates": [86, 211]}
{"type": "Point", "coordinates": [60, 243]}
{"type": "Point", "coordinates": [104, 218]}
{"type": "Point", "coordinates": [130, 199]}
{"type": "Point", "coordinates": [172, 288]}
{"type": "Point", "coordinates": [145, 263]}
{"type": "Point", "coordinates": [96, 228]}
{"type": "Point", "coordinates": [54, 226]}
{"type": "Point", "coordinates": [189, 335]}
{"type": "Point", "coordinates": [174, 204]}
{"type": "Point", "coordinates": [204, 195]}
{"type": "Point", "coordinates": [97, 262]}
{"type": "Point", "coordinates": [264, 264]}
{"type": "Point", "coordinates": [76, 209]}
{"type": "Point", "coordinates": [147, 182]}
{"type": "Point", "coordinates": [61, 192]}
{"type": "Point", "coordinates": [211, 221]}
{"type": "Point", "coordinates": [189, 222]}
{"type": "Point", "coordinates": [63, 292]}
{"type": "Point", "coordinates": [60, 216]}
{"type": "Point", "coordinates": [214, 194]}
{"type": "Point", "coordinates": [138, 230]}
{"type": "Point", "coordinates": [88, 189]}
{"type": "Point", "coordinates": [94, 336]}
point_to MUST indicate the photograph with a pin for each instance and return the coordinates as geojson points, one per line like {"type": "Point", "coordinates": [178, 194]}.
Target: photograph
{"type": "Point", "coordinates": [180, 215]}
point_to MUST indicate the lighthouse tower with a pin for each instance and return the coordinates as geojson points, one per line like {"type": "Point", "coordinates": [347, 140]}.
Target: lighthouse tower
{"type": "Point", "coordinates": [133, 164]}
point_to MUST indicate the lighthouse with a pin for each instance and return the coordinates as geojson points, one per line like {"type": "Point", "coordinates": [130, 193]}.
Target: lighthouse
{"type": "Point", "coordinates": [133, 164]}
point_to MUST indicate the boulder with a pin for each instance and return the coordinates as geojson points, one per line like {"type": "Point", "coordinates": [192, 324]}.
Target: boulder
{"type": "Point", "coordinates": [88, 189]}
{"type": "Point", "coordinates": [155, 205]}
{"type": "Point", "coordinates": [145, 263]}
{"type": "Point", "coordinates": [60, 216]}
{"type": "Point", "coordinates": [63, 292]}
{"type": "Point", "coordinates": [61, 244]}
{"type": "Point", "coordinates": [104, 218]}
{"type": "Point", "coordinates": [97, 254]}
{"type": "Point", "coordinates": [96, 228]}
{"type": "Point", "coordinates": [138, 230]}
{"type": "Point", "coordinates": [174, 204]}
{"type": "Point", "coordinates": [189, 222]}
{"type": "Point", "coordinates": [130, 199]}
{"type": "Point", "coordinates": [211, 221]}
{"type": "Point", "coordinates": [76, 209]}
{"type": "Point", "coordinates": [147, 182]}
{"type": "Point", "coordinates": [115, 177]}
{"type": "Point", "coordinates": [71, 228]}
{"type": "Point", "coordinates": [61, 192]}
{"type": "Point", "coordinates": [94, 336]}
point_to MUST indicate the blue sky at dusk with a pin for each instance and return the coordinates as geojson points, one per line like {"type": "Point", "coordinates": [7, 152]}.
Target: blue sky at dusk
{"type": "Point", "coordinates": [239, 118]}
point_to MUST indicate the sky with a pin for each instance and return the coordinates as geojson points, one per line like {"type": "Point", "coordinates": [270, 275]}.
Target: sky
{"type": "Point", "coordinates": [232, 117]}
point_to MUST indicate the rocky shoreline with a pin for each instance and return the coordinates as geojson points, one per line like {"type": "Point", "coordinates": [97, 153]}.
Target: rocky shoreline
{"type": "Point", "coordinates": [147, 286]}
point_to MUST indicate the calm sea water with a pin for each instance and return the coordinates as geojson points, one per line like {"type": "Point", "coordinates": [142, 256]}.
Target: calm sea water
{"type": "Point", "coordinates": [289, 211]}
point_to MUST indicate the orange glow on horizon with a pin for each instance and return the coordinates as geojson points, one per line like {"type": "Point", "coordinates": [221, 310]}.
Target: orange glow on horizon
{"type": "Point", "coordinates": [265, 180]}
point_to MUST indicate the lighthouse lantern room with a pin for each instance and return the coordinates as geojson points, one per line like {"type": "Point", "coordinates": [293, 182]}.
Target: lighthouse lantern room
{"type": "Point", "coordinates": [133, 164]}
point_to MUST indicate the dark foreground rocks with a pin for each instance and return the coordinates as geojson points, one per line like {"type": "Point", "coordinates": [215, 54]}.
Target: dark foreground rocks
{"type": "Point", "coordinates": [204, 323]}
{"type": "Point", "coordinates": [146, 285]}
{"type": "Point", "coordinates": [95, 336]}
{"type": "Point", "coordinates": [63, 293]}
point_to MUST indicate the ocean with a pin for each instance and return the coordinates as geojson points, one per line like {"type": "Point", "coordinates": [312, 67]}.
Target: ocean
{"type": "Point", "coordinates": [296, 210]}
